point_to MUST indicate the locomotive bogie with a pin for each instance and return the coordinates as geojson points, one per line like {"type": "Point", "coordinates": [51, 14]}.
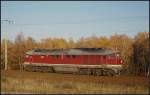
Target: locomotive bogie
{"type": "Point", "coordinates": [75, 69]}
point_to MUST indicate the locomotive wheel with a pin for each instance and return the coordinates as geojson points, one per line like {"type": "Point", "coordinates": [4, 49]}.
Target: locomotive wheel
{"type": "Point", "coordinates": [33, 69]}
{"type": "Point", "coordinates": [44, 69]}
{"type": "Point", "coordinates": [38, 69]}
{"type": "Point", "coordinates": [110, 72]}
{"type": "Point", "coordinates": [51, 69]}
{"type": "Point", "coordinates": [47, 69]}
{"type": "Point", "coordinates": [26, 69]}
{"type": "Point", "coordinates": [30, 68]}
{"type": "Point", "coordinates": [104, 73]}
{"type": "Point", "coordinates": [97, 72]}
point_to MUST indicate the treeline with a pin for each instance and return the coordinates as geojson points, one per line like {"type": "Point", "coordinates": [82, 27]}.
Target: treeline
{"type": "Point", "coordinates": [134, 51]}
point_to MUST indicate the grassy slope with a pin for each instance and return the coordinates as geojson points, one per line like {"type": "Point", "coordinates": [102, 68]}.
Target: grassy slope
{"type": "Point", "coordinates": [33, 82]}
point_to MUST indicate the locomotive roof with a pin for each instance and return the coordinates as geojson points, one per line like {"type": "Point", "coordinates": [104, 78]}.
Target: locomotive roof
{"type": "Point", "coordinates": [73, 51]}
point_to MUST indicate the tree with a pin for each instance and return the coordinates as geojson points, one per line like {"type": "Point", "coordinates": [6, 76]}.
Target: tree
{"type": "Point", "coordinates": [141, 52]}
{"type": "Point", "coordinates": [20, 49]}
{"type": "Point", "coordinates": [71, 43]}
{"type": "Point", "coordinates": [103, 42]}
{"type": "Point", "coordinates": [30, 43]}
{"type": "Point", "coordinates": [80, 43]}
{"type": "Point", "coordinates": [123, 44]}
{"type": "Point", "coordinates": [135, 52]}
{"type": "Point", "coordinates": [10, 53]}
{"type": "Point", "coordinates": [2, 54]}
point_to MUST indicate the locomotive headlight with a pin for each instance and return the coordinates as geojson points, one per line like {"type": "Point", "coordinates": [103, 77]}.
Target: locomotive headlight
{"type": "Point", "coordinates": [42, 56]}
{"type": "Point", "coordinates": [27, 56]}
{"type": "Point", "coordinates": [121, 61]}
{"type": "Point", "coordinates": [117, 55]}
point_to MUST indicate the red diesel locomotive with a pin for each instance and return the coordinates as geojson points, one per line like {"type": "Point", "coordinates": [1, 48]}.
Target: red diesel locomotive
{"type": "Point", "coordinates": [91, 61]}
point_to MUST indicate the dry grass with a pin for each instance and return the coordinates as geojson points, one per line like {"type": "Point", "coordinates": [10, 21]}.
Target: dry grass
{"type": "Point", "coordinates": [29, 82]}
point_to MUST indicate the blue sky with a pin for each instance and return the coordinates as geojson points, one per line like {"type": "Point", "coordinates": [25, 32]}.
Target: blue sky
{"type": "Point", "coordinates": [76, 19]}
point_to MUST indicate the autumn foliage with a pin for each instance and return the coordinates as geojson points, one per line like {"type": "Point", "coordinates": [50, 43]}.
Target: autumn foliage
{"type": "Point", "coordinates": [134, 51]}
